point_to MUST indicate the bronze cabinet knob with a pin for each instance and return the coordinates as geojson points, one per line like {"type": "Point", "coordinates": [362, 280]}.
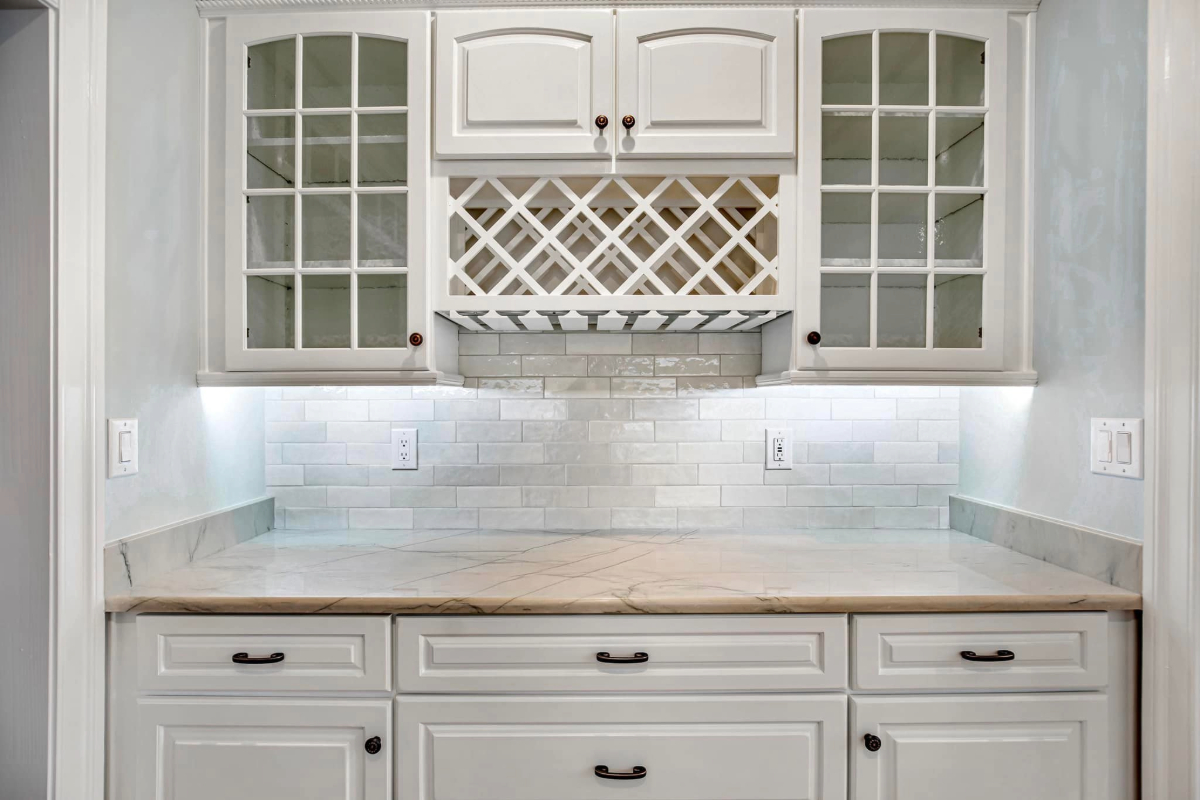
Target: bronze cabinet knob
{"type": "Point", "coordinates": [416, 340]}
{"type": "Point", "coordinates": [601, 122]}
{"type": "Point", "coordinates": [373, 745]}
{"type": "Point", "coordinates": [872, 742]}
{"type": "Point", "coordinates": [628, 121]}
{"type": "Point", "coordinates": [814, 338]}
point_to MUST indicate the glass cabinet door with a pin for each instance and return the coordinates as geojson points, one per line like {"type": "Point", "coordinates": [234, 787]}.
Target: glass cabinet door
{"type": "Point", "coordinates": [326, 150]}
{"type": "Point", "coordinates": [903, 189]}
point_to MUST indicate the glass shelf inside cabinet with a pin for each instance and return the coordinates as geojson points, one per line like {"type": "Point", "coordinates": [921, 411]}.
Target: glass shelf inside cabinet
{"type": "Point", "coordinates": [326, 190]}
{"type": "Point", "coordinates": [903, 190]}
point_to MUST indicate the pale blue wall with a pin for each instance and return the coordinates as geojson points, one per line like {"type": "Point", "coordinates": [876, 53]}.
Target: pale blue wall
{"type": "Point", "coordinates": [1029, 448]}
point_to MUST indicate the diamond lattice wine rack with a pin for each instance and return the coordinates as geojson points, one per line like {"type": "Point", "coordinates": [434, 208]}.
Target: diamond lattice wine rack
{"type": "Point", "coordinates": [637, 252]}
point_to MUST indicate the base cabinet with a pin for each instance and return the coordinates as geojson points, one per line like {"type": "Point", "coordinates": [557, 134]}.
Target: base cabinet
{"type": "Point", "coordinates": [1033, 747]}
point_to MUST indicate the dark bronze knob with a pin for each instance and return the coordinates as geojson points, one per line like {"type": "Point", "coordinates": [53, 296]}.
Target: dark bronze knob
{"type": "Point", "coordinates": [416, 340]}
{"type": "Point", "coordinates": [628, 121]}
{"type": "Point", "coordinates": [814, 338]}
{"type": "Point", "coordinates": [601, 122]}
{"type": "Point", "coordinates": [872, 742]}
{"type": "Point", "coordinates": [373, 745]}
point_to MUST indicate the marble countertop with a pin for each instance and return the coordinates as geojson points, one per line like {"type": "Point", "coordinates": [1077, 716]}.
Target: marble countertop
{"type": "Point", "coordinates": [615, 572]}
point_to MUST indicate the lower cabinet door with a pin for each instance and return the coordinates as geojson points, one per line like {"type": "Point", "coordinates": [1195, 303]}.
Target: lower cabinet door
{"type": "Point", "coordinates": [682, 747]}
{"type": "Point", "coordinates": [1026, 747]}
{"type": "Point", "coordinates": [258, 749]}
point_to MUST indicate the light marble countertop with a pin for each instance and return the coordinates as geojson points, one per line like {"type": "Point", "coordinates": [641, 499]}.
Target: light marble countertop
{"type": "Point", "coordinates": [617, 572]}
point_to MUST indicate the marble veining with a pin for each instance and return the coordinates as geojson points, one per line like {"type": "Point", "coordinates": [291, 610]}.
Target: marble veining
{"type": "Point", "coordinates": [616, 572]}
{"type": "Point", "coordinates": [1099, 555]}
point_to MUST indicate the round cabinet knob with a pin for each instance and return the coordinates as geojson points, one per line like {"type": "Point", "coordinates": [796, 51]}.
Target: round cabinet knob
{"type": "Point", "coordinates": [416, 340]}
{"type": "Point", "coordinates": [601, 122]}
{"type": "Point", "coordinates": [373, 745]}
{"type": "Point", "coordinates": [814, 338]}
{"type": "Point", "coordinates": [628, 121]}
{"type": "Point", "coordinates": [872, 742]}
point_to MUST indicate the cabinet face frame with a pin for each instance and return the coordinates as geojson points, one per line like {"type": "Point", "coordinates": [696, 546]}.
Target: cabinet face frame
{"type": "Point", "coordinates": [642, 31]}
{"type": "Point", "coordinates": [411, 27]}
{"type": "Point", "coordinates": [990, 26]}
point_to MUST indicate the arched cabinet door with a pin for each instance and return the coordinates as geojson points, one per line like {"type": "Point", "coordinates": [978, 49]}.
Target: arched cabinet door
{"type": "Point", "coordinates": [520, 84]}
{"type": "Point", "coordinates": [706, 83]}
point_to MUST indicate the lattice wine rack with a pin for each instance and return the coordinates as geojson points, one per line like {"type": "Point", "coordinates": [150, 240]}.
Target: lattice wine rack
{"type": "Point", "coordinates": [638, 252]}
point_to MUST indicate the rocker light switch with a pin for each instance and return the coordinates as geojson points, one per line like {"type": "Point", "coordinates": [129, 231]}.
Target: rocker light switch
{"type": "Point", "coordinates": [1117, 447]}
{"type": "Point", "coordinates": [779, 448]}
{"type": "Point", "coordinates": [122, 447]}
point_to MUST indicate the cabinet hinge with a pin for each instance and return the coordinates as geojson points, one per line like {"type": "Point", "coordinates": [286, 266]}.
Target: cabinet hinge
{"type": "Point", "coordinates": [248, 334]}
{"type": "Point", "coordinates": [982, 58]}
{"type": "Point", "coordinates": [247, 62]}
{"type": "Point", "coordinates": [980, 333]}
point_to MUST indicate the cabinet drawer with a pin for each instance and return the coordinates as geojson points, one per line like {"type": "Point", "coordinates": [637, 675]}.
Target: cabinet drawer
{"type": "Point", "coordinates": [714, 747]}
{"type": "Point", "coordinates": [1025, 652]}
{"type": "Point", "coordinates": [584, 654]}
{"type": "Point", "coordinates": [186, 654]}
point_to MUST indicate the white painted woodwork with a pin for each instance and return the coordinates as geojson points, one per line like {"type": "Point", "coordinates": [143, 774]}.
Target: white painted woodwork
{"type": "Point", "coordinates": [193, 653]}
{"type": "Point", "coordinates": [558, 654]}
{"type": "Point", "coordinates": [260, 749]}
{"type": "Point", "coordinates": [524, 83]}
{"type": "Point", "coordinates": [915, 652]}
{"type": "Point", "coordinates": [719, 747]}
{"type": "Point", "coordinates": [1032, 747]}
{"type": "Point", "coordinates": [706, 82]}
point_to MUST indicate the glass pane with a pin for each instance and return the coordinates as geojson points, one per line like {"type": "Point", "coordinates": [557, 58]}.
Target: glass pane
{"type": "Point", "coordinates": [904, 69]}
{"type": "Point", "coordinates": [958, 311]}
{"type": "Point", "coordinates": [845, 229]}
{"type": "Point", "coordinates": [383, 230]}
{"type": "Point", "coordinates": [269, 232]}
{"type": "Point", "coordinates": [382, 72]}
{"type": "Point", "coordinates": [959, 150]}
{"type": "Point", "coordinates": [326, 231]}
{"type": "Point", "coordinates": [960, 71]}
{"type": "Point", "coordinates": [270, 152]}
{"type": "Point", "coordinates": [903, 150]}
{"type": "Point", "coordinates": [326, 318]}
{"type": "Point", "coordinates": [326, 72]}
{"type": "Point", "coordinates": [845, 149]}
{"type": "Point", "coordinates": [959, 230]}
{"type": "Point", "coordinates": [382, 149]}
{"type": "Point", "coordinates": [271, 75]}
{"type": "Point", "coordinates": [902, 229]}
{"type": "Point", "coordinates": [901, 311]}
{"type": "Point", "coordinates": [382, 310]}
{"type": "Point", "coordinates": [326, 154]}
{"type": "Point", "coordinates": [845, 310]}
{"type": "Point", "coordinates": [270, 311]}
{"type": "Point", "coordinates": [846, 71]}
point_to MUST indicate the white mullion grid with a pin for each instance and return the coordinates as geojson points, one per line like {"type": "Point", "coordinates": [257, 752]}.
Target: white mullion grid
{"type": "Point", "coordinates": [297, 103]}
{"type": "Point", "coordinates": [930, 221]}
{"type": "Point", "coordinates": [873, 334]}
{"type": "Point", "coordinates": [354, 191]}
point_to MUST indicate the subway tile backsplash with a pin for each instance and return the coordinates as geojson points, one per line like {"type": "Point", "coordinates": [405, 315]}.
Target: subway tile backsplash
{"type": "Point", "coordinates": [620, 430]}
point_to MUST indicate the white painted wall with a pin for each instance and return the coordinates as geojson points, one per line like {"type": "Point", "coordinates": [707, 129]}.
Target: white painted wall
{"type": "Point", "coordinates": [201, 450]}
{"type": "Point", "coordinates": [1029, 448]}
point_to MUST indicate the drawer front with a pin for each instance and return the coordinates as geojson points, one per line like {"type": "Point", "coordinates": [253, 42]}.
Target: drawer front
{"type": "Point", "coordinates": [716, 747]}
{"type": "Point", "coordinates": [1021, 652]}
{"type": "Point", "coordinates": [653, 653]}
{"type": "Point", "coordinates": [190, 654]}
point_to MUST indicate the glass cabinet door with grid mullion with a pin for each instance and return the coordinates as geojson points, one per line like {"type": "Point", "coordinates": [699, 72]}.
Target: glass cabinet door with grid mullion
{"type": "Point", "coordinates": [903, 174]}
{"type": "Point", "coordinates": [325, 150]}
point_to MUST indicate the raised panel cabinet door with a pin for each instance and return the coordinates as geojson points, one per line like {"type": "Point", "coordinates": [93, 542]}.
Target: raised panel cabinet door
{"type": "Point", "coordinates": [524, 84]}
{"type": "Point", "coordinates": [984, 747]}
{"type": "Point", "coordinates": [258, 749]}
{"type": "Point", "coordinates": [706, 83]}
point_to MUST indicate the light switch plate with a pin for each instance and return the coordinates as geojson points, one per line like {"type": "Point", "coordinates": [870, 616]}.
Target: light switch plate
{"type": "Point", "coordinates": [122, 448]}
{"type": "Point", "coordinates": [404, 448]}
{"type": "Point", "coordinates": [779, 448]}
{"type": "Point", "coordinates": [1112, 453]}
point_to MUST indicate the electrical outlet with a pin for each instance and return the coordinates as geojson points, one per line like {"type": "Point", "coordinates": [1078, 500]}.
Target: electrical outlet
{"type": "Point", "coordinates": [404, 448]}
{"type": "Point", "coordinates": [779, 448]}
{"type": "Point", "coordinates": [122, 447]}
{"type": "Point", "coordinates": [1117, 447]}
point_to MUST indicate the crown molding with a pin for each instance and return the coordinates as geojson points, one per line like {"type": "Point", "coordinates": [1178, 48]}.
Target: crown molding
{"type": "Point", "coordinates": [224, 8]}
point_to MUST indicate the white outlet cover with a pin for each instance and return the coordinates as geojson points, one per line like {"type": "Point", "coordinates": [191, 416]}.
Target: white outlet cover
{"type": "Point", "coordinates": [122, 462]}
{"type": "Point", "coordinates": [1107, 463]}
{"type": "Point", "coordinates": [404, 448]}
{"type": "Point", "coordinates": [779, 448]}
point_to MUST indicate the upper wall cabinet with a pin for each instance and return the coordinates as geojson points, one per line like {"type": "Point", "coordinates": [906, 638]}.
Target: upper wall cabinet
{"type": "Point", "coordinates": [689, 83]}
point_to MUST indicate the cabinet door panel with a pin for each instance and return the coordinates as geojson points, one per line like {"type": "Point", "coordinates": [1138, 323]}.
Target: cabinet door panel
{"type": "Point", "coordinates": [199, 749]}
{"type": "Point", "coordinates": [523, 83]}
{"type": "Point", "coordinates": [1033, 747]}
{"type": "Point", "coordinates": [707, 83]}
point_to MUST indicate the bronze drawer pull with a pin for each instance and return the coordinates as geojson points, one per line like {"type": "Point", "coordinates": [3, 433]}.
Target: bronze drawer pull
{"type": "Point", "coordinates": [633, 774]}
{"type": "Point", "coordinates": [636, 658]}
{"type": "Point", "coordinates": [246, 658]}
{"type": "Point", "coordinates": [1001, 655]}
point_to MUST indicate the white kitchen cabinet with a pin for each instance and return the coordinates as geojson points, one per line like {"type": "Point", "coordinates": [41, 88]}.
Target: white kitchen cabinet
{"type": "Point", "coordinates": [706, 82]}
{"type": "Point", "coordinates": [1033, 747]}
{"type": "Point", "coordinates": [524, 84]}
{"type": "Point", "coordinates": [200, 749]}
